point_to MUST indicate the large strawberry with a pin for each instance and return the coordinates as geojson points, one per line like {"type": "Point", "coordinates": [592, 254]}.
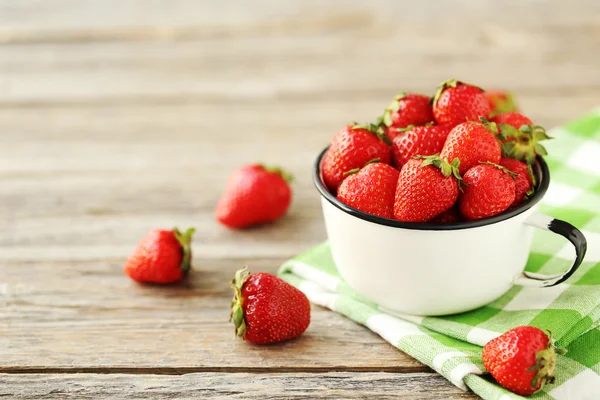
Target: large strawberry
{"type": "Point", "coordinates": [162, 256]}
{"type": "Point", "coordinates": [520, 136]}
{"type": "Point", "coordinates": [522, 360]}
{"type": "Point", "coordinates": [456, 102]}
{"type": "Point", "coordinates": [427, 186]}
{"type": "Point", "coordinates": [500, 102]}
{"type": "Point", "coordinates": [265, 309]}
{"type": "Point", "coordinates": [524, 179]}
{"type": "Point", "coordinates": [371, 190]}
{"type": "Point", "coordinates": [351, 148]}
{"type": "Point", "coordinates": [472, 142]}
{"type": "Point", "coordinates": [489, 189]}
{"type": "Point", "coordinates": [418, 140]}
{"type": "Point", "coordinates": [254, 194]}
{"type": "Point", "coordinates": [405, 110]}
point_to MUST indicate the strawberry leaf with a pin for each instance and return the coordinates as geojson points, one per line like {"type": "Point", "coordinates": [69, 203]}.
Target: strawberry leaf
{"type": "Point", "coordinates": [540, 149]}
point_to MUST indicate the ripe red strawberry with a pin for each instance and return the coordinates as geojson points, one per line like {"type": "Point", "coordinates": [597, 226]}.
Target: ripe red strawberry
{"type": "Point", "coordinates": [522, 360]}
{"type": "Point", "coordinates": [514, 119]}
{"type": "Point", "coordinates": [523, 181]}
{"type": "Point", "coordinates": [418, 140]}
{"type": "Point", "coordinates": [162, 256]}
{"type": "Point", "coordinates": [500, 102]}
{"type": "Point", "coordinates": [471, 143]}
{"type": "Point", "coordinates": [406, 109]}
{"type": "Point", "coordinates": [489, 190]}
{"type": "Point", "coordinates": [254, 194]}
{"type": "Point", "coordinates": [371, 190]}
{"type": "Point", "coordinates": [351, 148]}
{"type": "Point", "coordinates": [426, 187]}
{"type": "Point", "coordinates": [447, 217]}
{"type": "Point", "coordinates": [265, 309]}
{"type": "Point", "coordinates": [456, 102]}
{"type": "Point", "coordinates": [520, 136]}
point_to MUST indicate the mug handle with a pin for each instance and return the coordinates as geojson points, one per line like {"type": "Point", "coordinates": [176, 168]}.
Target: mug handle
{"type": "Point", "coordinates": [564, 229]}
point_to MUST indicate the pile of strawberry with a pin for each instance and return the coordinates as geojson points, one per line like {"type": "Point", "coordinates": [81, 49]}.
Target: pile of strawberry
{"type": "Point", "coordinates": [464, 154]}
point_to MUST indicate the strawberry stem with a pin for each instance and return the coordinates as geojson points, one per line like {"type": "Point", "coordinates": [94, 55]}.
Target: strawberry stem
{"type": "Point", "coordinates": [237, 312]}
{"type": "Point", "coordinates": [185, 240]}
{"type": "Point", "coordinates": [279, 171]}
{"type": "Point", "coordinates": [446, 168]}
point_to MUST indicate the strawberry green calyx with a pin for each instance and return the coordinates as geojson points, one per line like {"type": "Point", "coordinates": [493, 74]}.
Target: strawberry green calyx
{"type": "Point", "coordinates": [237, 312]}
{"type": "Point", "coordinates": [394, 106]}
{"type": "Point", "coordinates": [408, 128]}
{"type": "Point", "coordinates": [445, 167]}
{"type": "Point", "coordinates": [376, 129]}
{"type": "Point", "coordinates": [501, 168]}
{"type": "Point", "coordinates": [523, 143]}
{"type": "Point", "coordinates": [185, 240]}
{"type": "Point", "coordinates": [279, 171]}
{"type": "Point", "coordinates": [545, 364]}
{"type": "Point", "coordinates": [490, 126]}
{"type": "Point", "coordinates": [355, 170]}
{"type": "Point", "coordinates": [503, 104]}
{"type": "Point", "coordinates": [451, 83]}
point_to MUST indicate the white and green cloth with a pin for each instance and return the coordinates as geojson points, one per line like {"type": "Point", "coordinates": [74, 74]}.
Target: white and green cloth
{"type": "Point", "coordinates": [451, 345]}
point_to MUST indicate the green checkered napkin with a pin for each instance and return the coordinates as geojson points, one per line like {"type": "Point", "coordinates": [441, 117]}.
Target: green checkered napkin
{"type": "Point", "coordinates": [451, 345]}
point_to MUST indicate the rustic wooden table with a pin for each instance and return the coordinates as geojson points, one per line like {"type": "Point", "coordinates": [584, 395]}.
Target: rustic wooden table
{"type": "Point", "coordinates": [118, 116]}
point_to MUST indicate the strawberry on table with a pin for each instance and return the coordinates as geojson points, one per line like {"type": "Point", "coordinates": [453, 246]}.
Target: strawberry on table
{"type": "Point", "coordinates": [520, 136]}
{"type": "Point", "coordinates": [265, 309]}
{"type": "Point", "coordinates": [371, 190]}
{"type": "Point", "coordinates": [407, 109]}
{"type": "Point", "coordinates": [162, 256]}
{"type": "Point", "coordinates": [351, 148]}
{"type": "Point", "coordinates": [523, 181]}
{"type": "Point", "coordinates": [472, 142]}
{"type": "Point", "coordinates": [254, 194]}
{"type": "Point", "coordinates": [489, 190]}
{"type": "Point", "coordinates": [500, 102]}
{"type": "Point", "coordinates": [427, 186]}
{"type": "Point", "coordinates": [456, 102]}
{"type": "Point", "coordinates": [522, 360]}
{"type": "Point", "coordinates": [418, 140]}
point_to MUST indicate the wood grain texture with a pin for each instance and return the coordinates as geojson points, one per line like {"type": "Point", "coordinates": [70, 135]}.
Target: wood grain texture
{"type": "Point", "coordinates": [415, 386]}
{"type": "Point", "coordinates": [87, 316]}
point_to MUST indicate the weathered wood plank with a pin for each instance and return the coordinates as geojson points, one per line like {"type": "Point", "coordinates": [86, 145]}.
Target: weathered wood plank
{"type": "Point", "coordinates": [296, 50]}
{"type": "Point", "coordinates": [291, 67]}
{"type": "Point", "coordinates": [168, 19]}
{"type": "Point", "coordinates": [235, 386]}
{"type": "Point", "coordinates": [88, 315]}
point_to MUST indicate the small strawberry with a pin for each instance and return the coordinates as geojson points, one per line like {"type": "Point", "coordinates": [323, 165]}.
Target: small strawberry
{"type": "Point", "coordinates": [447, 217]}
{"type": "Point", "coordinates": [471, 143]}
{"type": "Point", "coordinates": [371, 190]}
{"type": "Point", "coordinates": [520, 136]}
{"type": "Point", "coordinates": [427, 186]}
{"type": "Point", "coordinates": [351, 148]}
{"type": "Point", "coordinates": [456, 102]}
{"type": "Point", "coordinates": [162, 256]}
{"type": "Point", "coordinates": [418, 140]}
{"type": "Point", "coordinates": [254, 194]}
{"type": "Point", "coordinates": [265, 309]}
{"type": "Point", "coordinates": [501, 102]}
{"type": "Point", "coordinates": [489, 190]}
{"type": "Point", "coordinates": [522, 360]}
{"type": "Point", "coordinates": [406, 109]}
{"type": "Point", "coordinates": [524, 180]}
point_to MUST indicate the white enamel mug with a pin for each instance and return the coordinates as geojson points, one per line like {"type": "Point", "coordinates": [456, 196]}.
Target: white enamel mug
{"type": "Point", "coordinates": [439, 269]}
